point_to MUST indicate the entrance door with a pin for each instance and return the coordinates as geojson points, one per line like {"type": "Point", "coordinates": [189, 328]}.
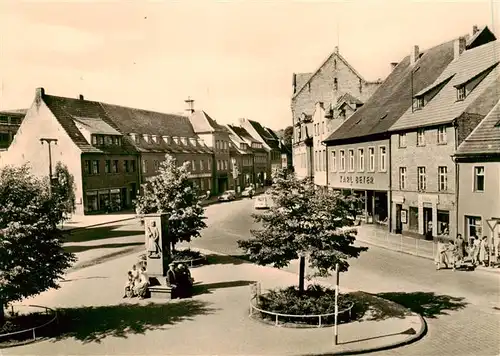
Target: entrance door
{"type": "Point", "coordinates": [428, 223]}
{"type": "Point", "coordinates": [399, 223]}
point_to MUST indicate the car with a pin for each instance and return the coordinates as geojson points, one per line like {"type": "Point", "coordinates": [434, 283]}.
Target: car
{"type": "Point", "coordinates": [228, 195]}
{"type": "Point", "coordinates": [261, 202]}
{"type": "Point", "coordinates": [248, 191]}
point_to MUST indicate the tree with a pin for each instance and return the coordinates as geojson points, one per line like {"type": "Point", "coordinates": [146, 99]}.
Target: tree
{"type": "Point", "coordinates": [304, 221]}
{"type": "Point", "coordinates": [63, 189]}
{"type": "Point", "coordinates": [32, 259]}
{"type": "Point", "coordinates": [288, 136]}
{"type": "Point", "coordinates": [172, 193]}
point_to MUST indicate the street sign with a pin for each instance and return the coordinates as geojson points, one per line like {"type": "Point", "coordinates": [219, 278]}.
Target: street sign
{"type": "Point", "coordinates": [492, 223]}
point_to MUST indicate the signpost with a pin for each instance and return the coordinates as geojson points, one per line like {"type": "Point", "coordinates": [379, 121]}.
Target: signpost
{"type": "Point", "coordinates": [492, 224]}
{"type": "Point", "coordinates": [335, 325]}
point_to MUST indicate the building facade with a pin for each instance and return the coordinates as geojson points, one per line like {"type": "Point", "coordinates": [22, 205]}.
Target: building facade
{"type": "Point", "coordinates": [424, 139]}
{"type": "Point", "coordinates": [478, 163]}
{"type": "Point", "coordinates": [9, 124]}
{"type": "Point", "coordinates": [327, 85]}
{"type": "Point", "coordinates": [360, 150]}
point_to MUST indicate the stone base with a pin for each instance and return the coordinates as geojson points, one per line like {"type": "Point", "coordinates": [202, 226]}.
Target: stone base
{"type": "Point", "coordinates": [160, 292]}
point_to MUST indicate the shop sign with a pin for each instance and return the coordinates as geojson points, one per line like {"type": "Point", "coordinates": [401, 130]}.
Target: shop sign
{"type": "Point", "coordinates": [356, 179]}
{"type": "Point", "coordinates": [114, 191]}
{"type": "Point", "coordinates": [94, 192]}
{"type": "Point", "coordinates": [404, 216]}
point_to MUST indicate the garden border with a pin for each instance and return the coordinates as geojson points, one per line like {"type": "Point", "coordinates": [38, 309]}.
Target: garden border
{"type": "Point", "coordinates": [294, 325]}
{"type": "Point", "coordinates": [33, 330]}
{"type": "Point", "coordinates": [201, 259]}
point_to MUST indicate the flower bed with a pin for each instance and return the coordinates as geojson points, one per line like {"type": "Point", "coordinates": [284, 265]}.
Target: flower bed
{"type": "Point", "coordinates": [21, 328]}
{"type": "Point", "coordinates": [316, 300]}
{"type": "Point", "coordinates": [190, 257]}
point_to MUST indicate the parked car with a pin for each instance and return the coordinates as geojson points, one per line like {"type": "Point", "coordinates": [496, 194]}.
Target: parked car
{"type": "Point", "coordinates": [261, 202]}
{"type": "Point", "coordinates": [248, 191]}
{"type": "Point", "coordinates": [228, 195]}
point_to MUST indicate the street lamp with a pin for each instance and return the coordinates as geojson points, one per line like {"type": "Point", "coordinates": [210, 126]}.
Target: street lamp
{"type": "Point", "coordinates": [48, 141]}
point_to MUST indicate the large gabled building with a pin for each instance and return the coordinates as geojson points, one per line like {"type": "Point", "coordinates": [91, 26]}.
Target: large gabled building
{"type": "Point", "coordinates": [10, 120]}
{"type": "Point", "coordinates": [318, 106]}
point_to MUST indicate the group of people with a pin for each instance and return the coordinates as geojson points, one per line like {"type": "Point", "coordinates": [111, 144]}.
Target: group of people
{"type": "Point", "coordinates": [455, 253]}
{"type": "Point", "coordinates": [180, 280]}
{"type": "Point", "coordinates": [137, 283]}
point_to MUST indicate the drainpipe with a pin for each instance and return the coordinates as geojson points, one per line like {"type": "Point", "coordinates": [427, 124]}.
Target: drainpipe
{"type": "Point", "coordinates": [326, 163]}
{"type": "Point", "coordinates": [457, 175]}
{"type": "Point", "coordinates": [389, 192]}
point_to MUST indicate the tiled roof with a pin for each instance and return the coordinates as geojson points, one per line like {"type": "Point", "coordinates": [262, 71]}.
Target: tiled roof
{"type": "Point", "coordinates": [96, 126]}
{"type": "Point", "coordinates": [348, 97]}
{"type": "Point", "coordinates": [444, 107]}
{"type": "Point", "coordinates": [485, 138]}
{"type": "Point", "coordinates": [123, 120]}
{"type": "Point", "coordinates": [201, 122]}
{"type": "Point", "coordinates": [266, 136]}
{"type": "Point", "coordinates": [484, 32]}
{"type": "Point", "coordinates": [241, 132]}
{"type": "Point", "coordinates": [390, 101]}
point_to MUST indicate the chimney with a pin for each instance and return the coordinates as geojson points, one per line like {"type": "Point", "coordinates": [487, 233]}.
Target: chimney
{"type": "Point", "coordinates": [459, 47]}
{"type": "Point", "coordinates": [80, 97]}
{"type": "Point", "coordinates": [294, 82]}
{"type": "Point", "coordinates": [190, 105]}
{"type": "Point", "coordinates": [336, 50]}
{"type": "Point", "coordinates": [475, 30]}
{"type": "Point", "coordinates": [394, 65]}
{"type": "Point", "coordinates": [40, 92]}
{"type": "Point", "coordinates": [415, 53]}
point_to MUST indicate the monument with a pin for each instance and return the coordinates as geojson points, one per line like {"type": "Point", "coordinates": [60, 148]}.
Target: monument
{"type": "Point", "coordinates": [158, 254]}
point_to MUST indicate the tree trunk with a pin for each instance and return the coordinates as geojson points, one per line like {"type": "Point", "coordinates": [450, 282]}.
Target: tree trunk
{"type": "Point", "coordinates": [302, 272]}
{"type": "Point", "coordinates": [2, 314]}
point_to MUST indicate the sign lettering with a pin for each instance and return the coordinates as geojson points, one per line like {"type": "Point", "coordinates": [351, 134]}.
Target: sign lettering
{"type": "Point", "coordinates": [356, 179]}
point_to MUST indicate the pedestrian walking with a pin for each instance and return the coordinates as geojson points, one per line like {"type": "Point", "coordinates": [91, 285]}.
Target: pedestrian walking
{"type": "Point", "coordinates": [459, 249]}
{"type": "Point", "coordinates": [475, 250]}
{"type": "Point", "coordinates": [483, 251]}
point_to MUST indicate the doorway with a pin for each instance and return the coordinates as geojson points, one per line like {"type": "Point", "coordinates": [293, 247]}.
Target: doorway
{"type": "Point", "coordinates": [428, 223]}
{"type": "Point", "coordinates": [399, 223]}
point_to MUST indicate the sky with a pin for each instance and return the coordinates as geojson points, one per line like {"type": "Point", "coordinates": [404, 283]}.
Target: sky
{"type": "Point", "coordinates": [234, 58]}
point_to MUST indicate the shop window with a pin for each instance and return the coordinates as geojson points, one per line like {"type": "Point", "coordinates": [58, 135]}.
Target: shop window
{"type": "Point", "coordinates": [479, 179]}
{"type": "Point", "coordinates": [443, 222]}
{"type": "Point", "coordinates": [474, 226]}
{"type": "Point", "coordinates": [413, 219]}
{"type": "Point", "coordinates": [92, 202]}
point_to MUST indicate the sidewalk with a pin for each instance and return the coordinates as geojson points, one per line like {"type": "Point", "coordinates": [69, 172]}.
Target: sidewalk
{"type": "Point", "coordinates": [215, 322]}
{"type": "Point", "coordinates": [86, 221]}
{"type": "Point", "coordinates": [396, 242]}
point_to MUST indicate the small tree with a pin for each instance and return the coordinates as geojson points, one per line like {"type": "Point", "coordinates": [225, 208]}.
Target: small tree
{"type": "Point", "coordinates": [288, 136]}
{"type": "Point", "coordinates": [172, 193]}
{"type": "Point", "coordinates": [32, 258]}
{"type": "Point", "coordinates": [63, 189]}
{"type": "Point", "coordinates": [304, 221]}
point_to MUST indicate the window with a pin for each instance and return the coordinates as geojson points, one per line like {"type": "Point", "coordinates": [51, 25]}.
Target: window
{"type": "Point", "coordinates": [461, 93]}
{"type": "Point", "coordinates": [94, 140]}
{"type": "Point", "coordinates": [479, 179]}
{"type": "Point", "coordinates": [442, 179]}
{"type": "Point", "coordinates": [351, 160]}
{"type": "Point", "coordinates": [342, 160]}
{"type": "Point", "coordinates": [402, 140]}
{"type": "Point", "coordinates": [132, 166]}
{"type": "Point", "coordinates": [474, 226]}
{"type": "Point", "coordinates": [333, 161]}
{"type": "Point", "coordinates": [218, 165]}
{"type": "Point", "coordinates": [115, 166]}
{"type": "Point", "coordinates": [324, 160]}
{"type": "Point", "coordinates": [156, 165]}
{"type": "Point", "coordinates": [335, 84]}
{"type": "Point", "coordinates": [225, 165]}
{"type": "Point", "coordinates": [144, 166]}
{"type": "Point", "coordinates": [323, 127]}
{"type": "Point", "coordinates": [100, 140]}
{"type": "Point", "coordinates": [201, 164]}
{"type": "Point", "coordinates": [402, 178]}
{"type": "Point", "coordinates": [95, 167]}
{"type": "Point", "coordinates": [108, 140]}
{"type": "Point", "coordinates": [383, 159]}
{"type": "Point", "coordinates": [371, 155]}
{"type": "Point", "coordinates": [420, 103]}
{"type": "Point", "coordinates": [88, 168]}
{"type": "Point", "coordinates": [422, 179]}
{"type": "Point", "coordinates": [107, 166]}
{"type": "Point", "coordinates": [420, 137]}
{"type": "Point", "coordinates": [361, 159]}
{"type": "Point", "coordinates": [116, 141]}
{"type": "Point", "coordinates": [442, 139]}
{"type": "Point", "coordinates": [126, 166]}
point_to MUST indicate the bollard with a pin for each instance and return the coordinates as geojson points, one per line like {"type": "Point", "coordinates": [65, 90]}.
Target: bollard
{"type": "Point", "coordinates": [319, 325]}
{"type": "Point", "coordinates": [34, 335]}
{"type": "Point", "coordinates": [276, 319]}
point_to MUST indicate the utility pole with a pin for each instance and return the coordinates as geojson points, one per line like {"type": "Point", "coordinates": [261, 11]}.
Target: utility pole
{"type": "Point", "coordinates": [48, 141]}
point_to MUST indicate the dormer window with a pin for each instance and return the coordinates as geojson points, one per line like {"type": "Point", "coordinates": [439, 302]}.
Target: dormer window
{"type": "Point", "coordinates": [166, 139]}
{"type": "Point", "coordinates": [192, 141]}
{"type": "Point", "coordinates": [184, 140]}
{"type": "Point", "coordinates": [108, 140]}
{"type": "Point", "coordinates": [100, 140]}
{"type": "Point", "coordinates": [176, 139]}
{"type": "Point", "coordinates": [461, 93]}
{"type": "Point", "coordinates": [419, 103]}
{"type": "Point", "coordinates": [94, 140]}
{"type": "Point", "coordinates": [134, 137]}
{"type": "Point", "coordinates": [156, 139]}
{"type": "Point", "coordinates": [116, 141]}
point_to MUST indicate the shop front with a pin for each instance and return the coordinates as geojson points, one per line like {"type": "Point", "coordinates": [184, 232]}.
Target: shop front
{"type": "Point", "coordinates": [106, 200]}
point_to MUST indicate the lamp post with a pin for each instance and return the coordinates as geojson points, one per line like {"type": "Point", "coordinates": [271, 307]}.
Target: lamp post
{"type": "Point", "coordinates": [48, 141]}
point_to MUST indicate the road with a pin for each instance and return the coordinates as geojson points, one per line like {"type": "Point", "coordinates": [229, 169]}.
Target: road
{"type": "Point", "coordinates": [462, 309]}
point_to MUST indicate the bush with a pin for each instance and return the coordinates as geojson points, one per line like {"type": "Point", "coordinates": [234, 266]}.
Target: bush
{"type": "Point", "coordinates": [315, 300]}
{"type": "Point", "coordinates": [186, 255]}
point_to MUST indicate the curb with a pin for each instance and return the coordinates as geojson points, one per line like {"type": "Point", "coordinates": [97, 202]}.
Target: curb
{"type": "Point", "coordinates": [99, 224]}
{"type": "Point", "coordinates": [480, 269]}
{"type": "Point", "coordinates": [414, 338]}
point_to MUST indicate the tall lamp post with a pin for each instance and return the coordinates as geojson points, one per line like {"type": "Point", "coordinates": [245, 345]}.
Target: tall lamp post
{"type": "Point", "coordinates": [49, 141]}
